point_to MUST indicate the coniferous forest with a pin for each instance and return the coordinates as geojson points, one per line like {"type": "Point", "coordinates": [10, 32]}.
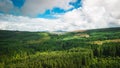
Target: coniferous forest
{"type": "Point", "coordinates": [97, 48]}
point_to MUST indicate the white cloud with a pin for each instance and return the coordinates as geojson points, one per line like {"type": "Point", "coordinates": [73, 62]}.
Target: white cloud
{"type": "Point", "coordinates": [32, 7]}
{"type": "Point", "coordinates": [93, 14]}
{"type": "Point", "coordinates": [5, 6]}
{"type": "Point", "coordinates": [110, 6]}
{"type": "Point", "coordinates": [10, 22]}
{"type": "Point", "coordinates": [102, 12]}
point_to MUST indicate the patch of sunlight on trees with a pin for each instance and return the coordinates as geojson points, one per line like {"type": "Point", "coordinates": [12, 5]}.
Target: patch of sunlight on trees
{"type": "Point", "coordinates": [104, 41]}
{"type": "Point", "coordinates": [78, 36]}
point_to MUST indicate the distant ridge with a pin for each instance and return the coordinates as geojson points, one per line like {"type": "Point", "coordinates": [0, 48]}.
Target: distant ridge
{"type": "Point", "coordinates": [63, 31]}
{"type": "Point", "coordinates": [103, 29]}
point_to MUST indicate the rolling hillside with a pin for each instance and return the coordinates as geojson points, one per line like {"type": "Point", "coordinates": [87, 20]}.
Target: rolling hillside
{"type": "Point", "coordinates": [98, 48]}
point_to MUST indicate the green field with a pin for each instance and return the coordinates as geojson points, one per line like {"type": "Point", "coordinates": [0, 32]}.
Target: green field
{"type": "Point", "coordinates": [97, 48]}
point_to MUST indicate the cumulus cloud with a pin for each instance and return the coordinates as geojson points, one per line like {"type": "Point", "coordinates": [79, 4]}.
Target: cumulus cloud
{"type": "Point", "coordinates": [110, 6]}
{"type": "Point", "coordinates": [5, 6]}
{"type": "Point", "coordinates": [10, 22]}
{"type": "Point", "coordinates": [93, 14]}
{"type": "Point", "coordinates": [32, 7]}
{"type": "Point", "coordinates": [102, 12]}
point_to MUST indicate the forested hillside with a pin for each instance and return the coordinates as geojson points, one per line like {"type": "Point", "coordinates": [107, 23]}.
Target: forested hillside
{"type": "Point", "coordinates": [98, 48]}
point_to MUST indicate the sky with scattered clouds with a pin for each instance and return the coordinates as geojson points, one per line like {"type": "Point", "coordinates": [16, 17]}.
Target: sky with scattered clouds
{"type": "Point", "coordinates": [58, 15]}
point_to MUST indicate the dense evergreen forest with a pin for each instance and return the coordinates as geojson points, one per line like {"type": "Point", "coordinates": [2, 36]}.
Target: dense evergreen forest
{"type": "Point", "coordinates": [97, 48]}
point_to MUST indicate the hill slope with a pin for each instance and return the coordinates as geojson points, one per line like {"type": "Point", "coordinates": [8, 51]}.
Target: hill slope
{"type": "Point", "coordinates": [96, 48]}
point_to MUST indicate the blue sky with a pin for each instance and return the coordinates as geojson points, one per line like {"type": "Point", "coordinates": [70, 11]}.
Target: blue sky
{"type": "Point", "coordinates": [18, 3]}
{"type": "Point", "coordinates": [56, 10]}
